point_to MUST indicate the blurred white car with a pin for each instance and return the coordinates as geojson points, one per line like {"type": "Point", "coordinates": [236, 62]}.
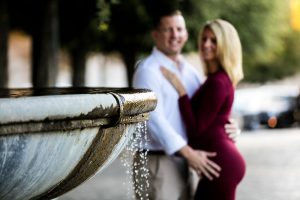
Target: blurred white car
{"type": "Point", "coordinates": [270, 105]}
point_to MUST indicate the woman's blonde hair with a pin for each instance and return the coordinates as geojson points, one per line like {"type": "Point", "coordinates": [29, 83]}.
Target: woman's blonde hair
{"type": "Point", "coordinates": [229, 49]}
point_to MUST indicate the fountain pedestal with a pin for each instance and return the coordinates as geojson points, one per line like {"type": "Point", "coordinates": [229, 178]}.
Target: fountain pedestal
{"type": "Point", "coordinates": [52, 140]}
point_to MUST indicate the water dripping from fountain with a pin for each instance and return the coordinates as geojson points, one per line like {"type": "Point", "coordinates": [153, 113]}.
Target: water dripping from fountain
{"type": "Point", "coordinates": [137, 173]}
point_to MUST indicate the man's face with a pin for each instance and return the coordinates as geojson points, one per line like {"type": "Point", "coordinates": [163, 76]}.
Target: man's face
{"type": "Point", "coordinates": [171, 35]}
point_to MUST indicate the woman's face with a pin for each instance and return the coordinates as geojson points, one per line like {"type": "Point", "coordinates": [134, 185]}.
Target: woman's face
{"type": "Point", "coordinates": [208, 46]}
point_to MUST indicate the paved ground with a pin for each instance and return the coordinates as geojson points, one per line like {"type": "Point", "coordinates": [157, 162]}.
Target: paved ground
{"type": "Point", "coordinates": [273, 165]}
{"type": "Point", "coordinates": [273, 171]}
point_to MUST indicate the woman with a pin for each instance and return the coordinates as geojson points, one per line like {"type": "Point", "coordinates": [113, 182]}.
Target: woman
{"type": "Point", "coordinates": [206, 113]}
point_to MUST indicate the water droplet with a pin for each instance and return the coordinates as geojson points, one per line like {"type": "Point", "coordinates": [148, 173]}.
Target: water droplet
{"type": "Point", "coordinates": [136, 146]}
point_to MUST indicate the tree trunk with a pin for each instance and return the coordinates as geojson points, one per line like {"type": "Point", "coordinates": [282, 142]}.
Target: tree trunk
{"type": "Point", "coordinates": [46, 45]}
{"type": "Point", "coordinates": [129, 58]}
{"type": "Point", "coordinates": [4, 28]}
{"type": "Point", "coordinates": [78, 60]}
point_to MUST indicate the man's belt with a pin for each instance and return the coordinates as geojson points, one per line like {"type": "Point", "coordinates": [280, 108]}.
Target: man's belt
{"type": "Point", "coordinates": [154, 152]}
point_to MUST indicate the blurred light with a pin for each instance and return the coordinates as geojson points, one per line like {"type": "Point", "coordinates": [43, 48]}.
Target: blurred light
{"type": "Point", "coordinates": [295, 14]}
{"type": "Point", "coordinates": [272, 122]}
{"type": "Point", "coordinates": [103, 26]}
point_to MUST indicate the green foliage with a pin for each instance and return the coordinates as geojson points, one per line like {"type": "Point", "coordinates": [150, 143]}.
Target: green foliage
{"type": "Point", "coordinates": [289, 61]}
{"type": "Point", "coordinates": [124, 24]}
{"type": "Point", "coordinates": [270, 49]}
{"type": "Point", "coordinates": [262, 26]}
{"type": "Point", "coordinates": [103, 15]}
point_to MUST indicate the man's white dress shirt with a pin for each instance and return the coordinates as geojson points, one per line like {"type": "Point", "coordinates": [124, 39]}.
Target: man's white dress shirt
{"type": "Point", "coordinates": [165, 127]}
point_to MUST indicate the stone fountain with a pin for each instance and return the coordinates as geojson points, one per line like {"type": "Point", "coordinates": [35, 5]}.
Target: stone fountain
{"type": "Point", "coordinates": [52, 140]}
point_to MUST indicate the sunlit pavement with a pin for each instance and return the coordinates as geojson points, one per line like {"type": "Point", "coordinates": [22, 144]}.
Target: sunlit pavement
{"type": "Point", "coordinates": [273, 165]}
{"type": "Point", "coordinates": [273, 170]}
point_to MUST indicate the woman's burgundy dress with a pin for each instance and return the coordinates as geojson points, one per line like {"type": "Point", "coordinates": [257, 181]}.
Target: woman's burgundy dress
{"type": "Point", "coordinates": [205, 116]}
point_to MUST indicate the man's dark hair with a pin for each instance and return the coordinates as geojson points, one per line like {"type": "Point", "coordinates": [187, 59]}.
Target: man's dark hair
{"type": "Point", "coordinates": [158, 16]}
{"type": "Point", "coordinates": [158, 9]}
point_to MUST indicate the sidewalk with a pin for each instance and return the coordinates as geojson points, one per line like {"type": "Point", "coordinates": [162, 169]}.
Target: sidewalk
{"type": "Point", "coordinates": [273, 172]}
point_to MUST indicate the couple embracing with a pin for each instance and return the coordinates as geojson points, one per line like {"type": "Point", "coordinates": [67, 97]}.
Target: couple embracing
{"type": "Point", "coordinates": [191, 126]}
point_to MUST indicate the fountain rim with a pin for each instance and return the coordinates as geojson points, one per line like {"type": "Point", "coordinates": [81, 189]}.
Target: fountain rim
{"type": "Point", "coordinates": [122, 110]}
{"type": "Point", "coordinates": [68, 125]}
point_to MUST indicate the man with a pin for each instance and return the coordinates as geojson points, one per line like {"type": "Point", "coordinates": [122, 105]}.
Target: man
{"type": "Point", "coordinates": [168, 149]}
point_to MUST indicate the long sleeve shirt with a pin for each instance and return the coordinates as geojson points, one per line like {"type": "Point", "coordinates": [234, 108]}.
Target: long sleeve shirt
{"type": "Point", "coordinates": [166, 129]}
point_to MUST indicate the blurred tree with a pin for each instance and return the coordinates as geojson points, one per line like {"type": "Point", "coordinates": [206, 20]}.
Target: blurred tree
{"type": "Point", "coordinates": [262, 26]}
{"type": "Point", "coordinates": [4, 28]}
{"type": "Point", "coordinates": [40, 20]}
{"type": "Point", "coordinates": [46, 44]}
{"type": "Point", "coordinates": [124, 26]}
{"type": "Point", "coordinates": [79, 34]}
{"type": "Point", "coordinates": [53, 25]}
{"type": "Point", "coordinates": [288, 62]}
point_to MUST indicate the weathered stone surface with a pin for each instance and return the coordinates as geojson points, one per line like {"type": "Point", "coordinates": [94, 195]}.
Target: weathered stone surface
{"type": "Point", "coordinates": [52, 140]}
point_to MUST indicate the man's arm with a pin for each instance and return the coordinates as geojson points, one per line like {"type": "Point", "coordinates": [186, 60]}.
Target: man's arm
{"type": "Point", "coordinates": [200, 162]}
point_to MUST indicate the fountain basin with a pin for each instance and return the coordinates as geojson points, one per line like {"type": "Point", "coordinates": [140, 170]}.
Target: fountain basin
{"type": "Point", "coordinates": [52, 140]}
